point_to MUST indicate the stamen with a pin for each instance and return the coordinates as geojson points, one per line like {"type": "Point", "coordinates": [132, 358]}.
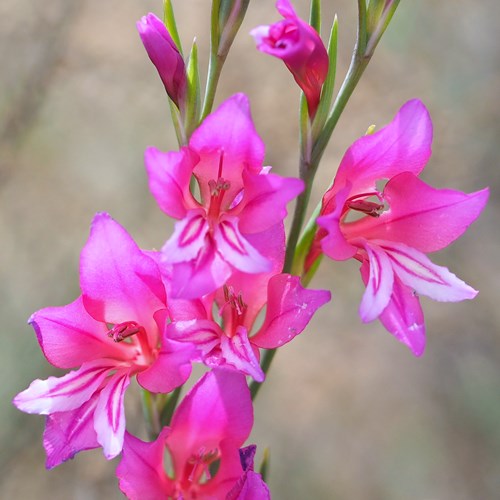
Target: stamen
{"type": "Point", "coordinates": [361, 204]}
{"type": "Point", "coordinates": [121, 331]}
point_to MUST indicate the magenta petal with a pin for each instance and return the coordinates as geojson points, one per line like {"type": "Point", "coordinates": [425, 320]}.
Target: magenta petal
{"type": "Point", "coordinates": [217, 408]}
{"type": "Point", "coordinates": [290, 307]}
{"type": "Point", "coordinates": [67, 433]}
{"type": "Point", "coordinates": [238, 353]}
{"type": "Point", "coordinates": [403, 316]}
{"type": "Point", "coordinates": [379, 285]}
{"type": "Point", "coordinates": [140, 473]}
{"type": "Point", "coordinates": [236, 250]}
{"type": "Point", "coordinates": [228, 130]}
{"type": "Point", "coordinates": [69, 336]}
{"type": "Point", "coordinates": [109, 416]}
{"type": "Point", "coordinates": [420, 216]}
{"type": "Point", "coordinates": [265, 198]}
{"type": "Point", "coordinates": [165, 55]}
{"type": "Point", "coordinates": [417, 271]}
{"type": "Point", "coordinates": [57, 394]}
{"type": "Point", "coordinates": [119, 282]}
{"type": "Point", "coordinates": [335, 244]}
{"type": "Point", "coordinates": [169, 176]}
{"type": "Point", "coordinates": [171, 369]}
{"type": "Point", "coordinates": [250, 487]}
{"type": "Point", "coordinates": [404, 145]}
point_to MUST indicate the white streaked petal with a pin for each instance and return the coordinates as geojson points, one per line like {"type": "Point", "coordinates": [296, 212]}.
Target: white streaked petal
{"type": "Point", "coordinates": [379, 286]}
{"type": "Point", "coordinates": [417, 271]}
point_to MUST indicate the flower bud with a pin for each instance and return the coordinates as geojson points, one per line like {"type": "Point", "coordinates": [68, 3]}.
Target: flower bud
{"type": "Point", "coordinates": [300, 47]}
{"type": "Point", "coordinates": [166, 57]}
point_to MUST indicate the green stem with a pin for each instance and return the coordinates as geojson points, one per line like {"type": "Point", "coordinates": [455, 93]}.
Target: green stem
{"type": "Point", "coordinates": [169, 407]}
{"type": "Point", "coordinates": [150, 410]}
{"type": "Point", "coordinates": [214, 70]}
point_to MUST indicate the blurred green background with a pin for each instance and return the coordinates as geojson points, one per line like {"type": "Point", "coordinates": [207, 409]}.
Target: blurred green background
{"type": "Point", "coordinates": [347, 411]}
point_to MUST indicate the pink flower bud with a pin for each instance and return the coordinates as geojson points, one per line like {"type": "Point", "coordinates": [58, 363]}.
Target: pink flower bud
{"type": "Point", "coordinates": [300, 47]}
{"type": "Point", "coordinates": [165, 55]}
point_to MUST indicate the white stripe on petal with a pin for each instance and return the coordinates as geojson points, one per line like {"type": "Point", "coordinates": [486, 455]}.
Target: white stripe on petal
{"type": "Point", "coordinates": [109, 416]}
{"type": "Point", "coordinates": [65, 393]}
{"type": "Point", "coordinates": [379, 286]}
{"type": "Point", "coordinates": [417, 271]}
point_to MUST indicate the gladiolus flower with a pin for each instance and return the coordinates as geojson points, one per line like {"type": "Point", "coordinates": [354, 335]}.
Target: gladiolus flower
{"type": "Point", "coordinates": [300, 47]}
{"type": "Point", "coordinates": [166, 57]}
{"type": "Point", "coordinates": [208, 429]}
{"type": "Point", "coordinates": [113, 331]}
{"type": "Point", "coordinates": [289, 308]}
{"type": "Point", "coordinates": [238, 198]}
{"type": "Point", "coordinates": [398, 225]}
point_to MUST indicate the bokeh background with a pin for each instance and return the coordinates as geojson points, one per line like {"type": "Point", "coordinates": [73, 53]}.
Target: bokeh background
{"type": "Point", "coordinates": [347, 411]}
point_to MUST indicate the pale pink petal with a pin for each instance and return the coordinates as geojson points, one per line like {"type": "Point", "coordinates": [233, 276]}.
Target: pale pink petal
{"type": "Point", "coordinates": [69, 336]}
{"type": "Point", "coordinates": [185, 309]}
{"type": "Point", "coordinates": [119, 282]}
{"type": "Point", "coordinates": [265, 199]}
{"type": "Point", "coordinates": [334, 243]}
{"type": "Point", "coordinates": [203, 333]}
{"type": "Point", "coordinates": [109, 415]}
{"type": "Point", "coordinates": [403, 316]}
{"type": "Point", "coordinates": [253, 287]}
{"type": "Point", "coordinates": [285, 8]}
{"type": "Point", "coordinates": [188, 240]}
{"type": "Point", "coordinates": [217, 408]}
{"type": "Point", "coordinates": [196, 278]}
{"type": "Point", "coordinates": [230, 132]}
{"type": "Point", "coordinates": [236, 250]}
{"type": "Point", "coordinates": [420, 216]}
{"type": "Point", "coordinates": [290, 307]}
{"type": "Point", "coordinates": [169, 175]}
{"type": "Point", "coordinates": [238, 353]}
{"type": "Point", "coordinates": [404, 145]}
{"type": "Point", "coordinates": [417, 271]}
{"type": "Point", "coordinates": [140, 473]}
{"type": "Point", "coordinates": [65, 393]}
{"type": "Point", "coordinates": [171, 369]}
{"type": "Point", "coordinates": [379, 286]}
{"type": "Point", "coordinates": [67, 433]}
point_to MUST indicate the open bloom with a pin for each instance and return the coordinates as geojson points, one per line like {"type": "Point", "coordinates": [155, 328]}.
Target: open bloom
{"type": "Point", "coordinates": [238, 198]}
{"type": "Point", "coordinates": [289, 308]}
{"type": "Point", "coordinates": [300, 47]}
{"type": "Point", "coordinates": [112, 332]}
{"type": "Point", "coordinates": [166, 57]}
{"type": "Point", "coordinates": [208, 429]}
{"type": "Point", "coordinates": [397, 226]}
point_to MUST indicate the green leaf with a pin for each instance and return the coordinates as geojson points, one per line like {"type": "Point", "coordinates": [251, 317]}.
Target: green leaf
{"type": "Point", "coordinates": [169, 20]}
{"type": "Point", "coordinates": [193, 100]}
{"type": "Point", "coordinates": [264, 465]}
{"type": "Point", "coordinates": [315, 15]}
{"type": "Point", "coordinates": [327, 90]}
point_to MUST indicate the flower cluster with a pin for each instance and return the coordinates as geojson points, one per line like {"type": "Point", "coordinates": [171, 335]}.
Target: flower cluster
{"type": "Point", "coordinates": [220, 290]}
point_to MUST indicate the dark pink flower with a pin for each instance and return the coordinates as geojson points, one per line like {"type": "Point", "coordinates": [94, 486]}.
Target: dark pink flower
{"type": "Point", "coordinates": [112, 332]}
{"type": "Point", "coordinates": [300, 47]}
{"type": "Point", "coordinates": [166, 57]}
{"type": "Point", "coordinates": [238, 198]}
{"type": "Point", "coordinates": [397, 226]}
{"type": "Point", "coordinates": [208, 429]}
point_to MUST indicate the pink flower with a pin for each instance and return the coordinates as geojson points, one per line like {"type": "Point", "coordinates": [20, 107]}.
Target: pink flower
{"type": "Point", "coordinates": [238, 198]}
{"type": "Point", "coordinates": [208, 428]}
{"type": "Point", "coordinates": [289, 308]}
{"type": "Point", "coordinates": [398, 225]}
{"type": "Point", "coordinates": [166, 57]}
{"type": "Point", "coordinates": [301, 49]}
{"type": "Point", "coordinates": [113, 333]}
